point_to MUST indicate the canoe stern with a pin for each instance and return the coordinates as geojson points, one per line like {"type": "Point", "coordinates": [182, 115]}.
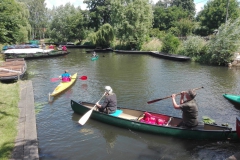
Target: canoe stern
{"type": "Point", "coordinates": [238, 126]}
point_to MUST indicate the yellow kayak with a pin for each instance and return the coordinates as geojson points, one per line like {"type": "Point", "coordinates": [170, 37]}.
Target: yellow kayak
{"type": "Point", "coordinates": [64, 85]}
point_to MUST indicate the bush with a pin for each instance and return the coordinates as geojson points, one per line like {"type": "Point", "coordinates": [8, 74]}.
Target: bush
{"type": "Point", "coordinates": [193, 47]}
{"type": "Point", "coordinates": [170, 43]}
{"type": "Point", "coordinates": [221, 48]}
{"type": "Point", "coordinates": [153, 45]}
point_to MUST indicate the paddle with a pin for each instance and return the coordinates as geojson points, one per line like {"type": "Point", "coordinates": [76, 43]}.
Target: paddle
{"type": "Point", "coordinates": [86, 116]}
{"type": "Point", "coordinates": [56, 79]}
{"type": "Point", "coordinates": [155, 100]}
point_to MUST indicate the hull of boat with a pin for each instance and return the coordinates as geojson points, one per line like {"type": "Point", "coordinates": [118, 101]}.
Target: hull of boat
{"type": "Point", "coordinates": [94, 58]}
{"type": "Point", "coordinates": [232, 98]}
{"type": "Point", "coordinates": [130, 119]}
{"type": "Point", "coordinates": [64, 85]}
{"type": "Point", "coordinates": [36, 55]}
{"type": "Point", "coordinates": [13, 69]}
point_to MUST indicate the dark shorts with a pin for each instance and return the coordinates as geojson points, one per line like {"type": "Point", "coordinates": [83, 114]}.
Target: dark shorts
{"type": "Point", "coordinates": [105, 110]}
{"type": "Point", "coordinates": [183, 125]}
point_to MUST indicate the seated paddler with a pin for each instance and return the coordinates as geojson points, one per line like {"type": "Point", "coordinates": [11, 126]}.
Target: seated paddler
{"type": "Point", "coordinates": [109, 105]}
{"type": "Point", "coordinates": [189, 108]}
{"type": "Point", "coordinates": [66, 77]}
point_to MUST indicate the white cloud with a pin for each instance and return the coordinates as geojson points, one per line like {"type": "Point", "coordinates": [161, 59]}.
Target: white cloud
{"type": "Point", "coordinates": [199, 7]}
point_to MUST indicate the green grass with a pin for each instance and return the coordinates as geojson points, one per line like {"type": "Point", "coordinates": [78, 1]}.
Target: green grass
{"type": "Point", "coordinates": [9, 113]}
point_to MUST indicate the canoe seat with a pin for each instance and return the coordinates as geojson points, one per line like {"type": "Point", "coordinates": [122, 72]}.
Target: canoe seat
{"type": "Point", "coordinates": [117, 113]}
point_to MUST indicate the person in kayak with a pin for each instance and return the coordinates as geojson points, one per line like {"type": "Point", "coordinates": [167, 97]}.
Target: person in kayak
{"type": "Point", "coordinates": [109, 105]}
{"type": "Point", "coordinates": [189, 108]}
{"type": "Point", "coordinates": [94, 54]}
{"type": "Point", "coordinates": [66, 77]}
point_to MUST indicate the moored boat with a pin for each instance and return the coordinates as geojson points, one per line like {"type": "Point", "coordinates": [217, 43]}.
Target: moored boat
{"type": "Point", "coordinates": [13, 69]}
{"type": "Point", "coordinates": [99, 50]}
{"type": "Point", "coordinates": [232, 98]}
{"type": "Point", "coordinates": [64, 85]}
{"type": "Point", "coordinates": [159, 124]}
{"type": "Point", "coordinates": [131, 52]}
{"type": "Point", "coordinates": [33, 53]}
{"type": "Point", "coordinates": [174, 57]}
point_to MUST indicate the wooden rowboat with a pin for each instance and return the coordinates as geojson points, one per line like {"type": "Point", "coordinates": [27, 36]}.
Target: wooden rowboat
{"type": "Point", "coordinates": [64, 85]}
{"type": "Point", "coordinates": [232, 98]}
{"type": "Point", "coordinates": [13, 69]}
{"type": "Point", "coordinates": [159, 124]}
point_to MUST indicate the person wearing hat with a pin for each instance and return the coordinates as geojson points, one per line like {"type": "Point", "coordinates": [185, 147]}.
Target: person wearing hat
{"type": "Point", "coordinates": [189, 108]}
{"type": "Point", "coordinates": [109, 105]}
{"type": "Point", "coordinates": [66, 77]}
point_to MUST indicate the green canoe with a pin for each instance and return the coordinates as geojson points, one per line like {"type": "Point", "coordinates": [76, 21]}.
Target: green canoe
{"type": "Point", "coordinates": [94, 58]}
{"type": "Point", "coordinates": [162, 124]}
{"type": "Point", "coordinates": [232, 98]}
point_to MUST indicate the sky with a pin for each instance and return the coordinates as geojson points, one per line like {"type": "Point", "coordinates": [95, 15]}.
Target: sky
{"type": "Point", "coordinates": [198, 3]}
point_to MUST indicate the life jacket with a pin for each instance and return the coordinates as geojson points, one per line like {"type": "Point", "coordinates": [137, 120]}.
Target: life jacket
{"type": "Point", "coordinates": [150, 119]}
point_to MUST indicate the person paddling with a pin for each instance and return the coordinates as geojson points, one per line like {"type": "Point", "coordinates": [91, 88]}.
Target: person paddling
{"type": "Point", "coordinates": [109, 105]}
{"type": "Point", "coordinates": [189, 108]}
{"type": "Point", "coordinates": [66, 77]}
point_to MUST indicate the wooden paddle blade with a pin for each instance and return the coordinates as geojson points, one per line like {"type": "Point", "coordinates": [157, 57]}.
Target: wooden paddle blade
{"type": "Point", "coordinates": [85, 117]}
{"type": "Point", "coordinates": [54, 79]}
{"type": "Point", "coordinates": [155, 100]}
{"type": "Point", "coordinates": [83, 78]}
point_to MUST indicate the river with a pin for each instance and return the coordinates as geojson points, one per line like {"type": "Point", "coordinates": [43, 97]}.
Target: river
{"type": "Point", "coordinates": [135, 79]}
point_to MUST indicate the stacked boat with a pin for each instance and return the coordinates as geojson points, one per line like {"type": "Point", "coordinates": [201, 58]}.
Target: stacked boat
{"type": "Point", "coordinates": [12, 69]}
{"type": "Point", "coordinates": [33, 53]}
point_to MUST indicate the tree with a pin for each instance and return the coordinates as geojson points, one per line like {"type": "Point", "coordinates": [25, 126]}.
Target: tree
{"type": "Point", "coordinates": [214, 15]}
{"type": "Point", "coordinates": [67, 24]}
{"type": "Point", "coordinates": [186, 5]}
{"type": "Point", "coordinates": [38, 18]}
{"type": "Point", "coordinates": [132, 21]}
{"type": "Point", "coordinates": [104, 36]}
{"type": "Point", "coordinates": [14, 26]}
{"type": "Point", "coordinates": [164, 18]}
{"type": "Point", "coordinates": [99, 12]}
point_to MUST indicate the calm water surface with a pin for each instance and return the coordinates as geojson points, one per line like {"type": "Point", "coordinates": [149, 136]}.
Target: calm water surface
{"type": "Point", "coordinates": [135, 79]}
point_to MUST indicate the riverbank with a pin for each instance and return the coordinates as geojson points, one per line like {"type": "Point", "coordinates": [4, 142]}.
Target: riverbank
{"type": "Point", "coordinates": [18, 123]}
{"type": "Point", "coordinates": [9, 98]}
{"type": "Point", "coordinates": [26, 143]}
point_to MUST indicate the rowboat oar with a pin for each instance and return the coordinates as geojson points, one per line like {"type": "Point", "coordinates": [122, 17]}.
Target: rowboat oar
{"type": "Point", "coordinates": [86, 116]}
{"type": "Point", "coordinates": [156, 100]}
{"type": "Point", "coordinates": [56, 79]}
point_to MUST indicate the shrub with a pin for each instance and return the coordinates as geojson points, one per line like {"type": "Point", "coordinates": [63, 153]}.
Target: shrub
{"type": "Point", "coordinates": [170, 43]}
{"type": "Point", "coordinates": [193, 47]}
{"type": "Point", "coordinates": [221, 48]}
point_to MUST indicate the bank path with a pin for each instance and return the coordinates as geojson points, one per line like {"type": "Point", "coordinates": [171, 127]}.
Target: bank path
{"type": "Point", "coordinates": [26, 143]}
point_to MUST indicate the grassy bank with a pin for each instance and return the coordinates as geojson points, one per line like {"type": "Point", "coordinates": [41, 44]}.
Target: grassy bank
{"type": "Point", "coordinates": [9, 112]}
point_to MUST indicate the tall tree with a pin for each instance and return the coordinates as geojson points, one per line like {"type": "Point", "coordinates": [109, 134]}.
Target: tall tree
{"type": "Point", "coordinates": [214, 15]}
{"type": "Point", "coordinates": [67, 24]}
{"type": "Point", "coordinates": [38, 18]}
{"type": "Point", "coordinates": [132, 21]}
{"type": "Point", "coordinates": [99, 12]}
{"type": "Point", "coordinates": [14, 25]}
{"type": "Point", "coordinates": [164, 18]}
{"type": "Point", "coordinates": [186, 5]}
